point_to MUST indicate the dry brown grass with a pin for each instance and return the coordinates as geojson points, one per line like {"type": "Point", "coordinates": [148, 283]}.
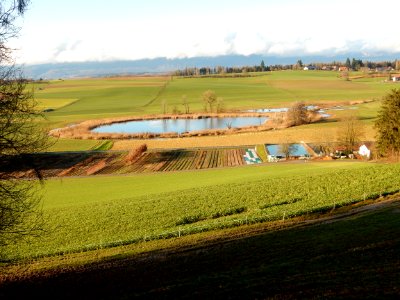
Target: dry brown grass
{"type": "Point", "coordinates": [308, 133]}
{"type": "Point", "coordinates": [135, 153]}
{"type": "Point", "coordinates": [97, 167]}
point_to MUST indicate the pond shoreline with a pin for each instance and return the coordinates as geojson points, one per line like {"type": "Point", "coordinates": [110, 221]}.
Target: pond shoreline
{"type": "Point", "coordinates": [84, 129]}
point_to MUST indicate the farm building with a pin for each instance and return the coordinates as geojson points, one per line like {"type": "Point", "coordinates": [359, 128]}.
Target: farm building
{"type": "Point", "coordinates": [396, 78]}
{"type": "Point", "coordinates": [364, 151]}
{"type": "Point", "coordinates": [310, 68]}
{"type": "Point", "coordinates": [343, 69]}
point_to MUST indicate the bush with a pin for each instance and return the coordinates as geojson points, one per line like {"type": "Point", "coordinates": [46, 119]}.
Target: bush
{"type": "Point", "coordinates": [134, 154]}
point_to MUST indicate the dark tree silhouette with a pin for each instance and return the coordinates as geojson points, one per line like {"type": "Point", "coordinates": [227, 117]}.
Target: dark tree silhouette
{"type": "Point", "coordinates": [20, 134]}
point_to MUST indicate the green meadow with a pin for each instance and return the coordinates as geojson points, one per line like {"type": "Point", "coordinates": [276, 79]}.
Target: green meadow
{"type": "Point", "coordinates": [101, 212]}
{"type": "Point", "coordinates": [82, 99]}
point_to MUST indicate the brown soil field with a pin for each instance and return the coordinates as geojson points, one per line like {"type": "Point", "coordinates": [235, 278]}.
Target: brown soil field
{"type": "Point", "coordinates": [106, 163]}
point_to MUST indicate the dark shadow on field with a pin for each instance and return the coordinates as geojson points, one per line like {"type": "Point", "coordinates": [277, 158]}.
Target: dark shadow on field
{"type": "Point", "coordinates": [157, 157]}
{"type": "Point", "coordinates": [44, 162]}
{"type": "Point", "coordinates": [358, 257]}
{"type": "Point", "coordinates": [367, 118]}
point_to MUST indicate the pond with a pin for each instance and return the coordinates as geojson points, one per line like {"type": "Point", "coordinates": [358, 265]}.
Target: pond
{"type": "Point", "coordinates": [295, 150]}
{"type": "Point", "coordinates": [179, 125]}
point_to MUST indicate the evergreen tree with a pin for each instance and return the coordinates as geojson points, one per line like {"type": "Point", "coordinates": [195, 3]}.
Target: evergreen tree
{"type": "Point", "coordinates": [348, 63]}
{"type": "Point", "coordinates": [388, 125]}
{"type": "Point", "coordinates": [262, 66]}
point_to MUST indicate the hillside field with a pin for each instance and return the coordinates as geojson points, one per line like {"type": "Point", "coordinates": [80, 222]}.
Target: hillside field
{"type": "Point", "coordinates": [350, 256]}
{"type": "Point", "coordinates": [102, 211]}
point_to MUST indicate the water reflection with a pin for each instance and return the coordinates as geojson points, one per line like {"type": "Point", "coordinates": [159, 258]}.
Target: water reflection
{"type": "Point", "coordinates": [179, 125]}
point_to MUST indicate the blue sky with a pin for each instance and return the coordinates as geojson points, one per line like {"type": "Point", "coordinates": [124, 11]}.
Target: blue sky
{"type": "Point", "coordinates": [95, 30]}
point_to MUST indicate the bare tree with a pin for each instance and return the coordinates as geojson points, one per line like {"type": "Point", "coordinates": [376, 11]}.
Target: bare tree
{"type": "Point", "coordinates": [287, 149]}
{"type": "Point", "coordinates": [220, 105]}
{"type": "Point", "coordinates": [164, 106]}
{"type": "Point", "coordinates": [185, 104]}
{"type": "Point", "coordinates": [20, 135]}
{"type": "Point", "coordinates": [209, 98]}
{"type": "Point", "coordinates": [297, 114]}
{"type": "Point", "coordinates": [350, 133]}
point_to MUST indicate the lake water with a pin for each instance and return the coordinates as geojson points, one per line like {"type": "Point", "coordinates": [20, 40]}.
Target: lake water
{"type": "Point", "coordinates": [295, 150]}
{"type": "Point", "coordinates": [179, 125]}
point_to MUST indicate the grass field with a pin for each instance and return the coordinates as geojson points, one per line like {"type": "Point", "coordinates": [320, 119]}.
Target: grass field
{"type": "Point", "coordinates": [57, 145]}
{"type": "Point", "coordinates": [102, 212]}
{"type": "Point", "coordinates": [110, 97]}
{"type": "Point", "coordinates": [97, 98]}
{"type": "Point", "coordinates": [351, 257]}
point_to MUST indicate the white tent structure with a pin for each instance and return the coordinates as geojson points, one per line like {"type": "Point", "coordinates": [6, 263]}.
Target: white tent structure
{"type": "Point", "coordinates": [364, 151]}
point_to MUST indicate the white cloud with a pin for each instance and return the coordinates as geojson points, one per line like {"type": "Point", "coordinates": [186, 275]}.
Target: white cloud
{"type": "Point", "coordinates": [284, 28]}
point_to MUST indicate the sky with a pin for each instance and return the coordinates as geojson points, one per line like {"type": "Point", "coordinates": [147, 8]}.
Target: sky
{"type": "Point", "coordinates": [103, 30]}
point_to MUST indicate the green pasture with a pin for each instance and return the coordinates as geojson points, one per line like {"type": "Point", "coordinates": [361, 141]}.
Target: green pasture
{"type": "Point", "coordinates": [59, 145]}
{"type": "Point", "coordinates": [44, 104]}
{"type": "Point", "coordinates": [106, 211]}
{"type": "Point", "coordinates": [97, 98]}
{"type": "Point", "coordinates": [276, 89]}
{"type": "Point", "coordinates": [113, 97]}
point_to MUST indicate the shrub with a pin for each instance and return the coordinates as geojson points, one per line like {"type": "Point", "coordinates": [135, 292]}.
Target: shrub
{"type": "Point", "coordinates": [134, 154]}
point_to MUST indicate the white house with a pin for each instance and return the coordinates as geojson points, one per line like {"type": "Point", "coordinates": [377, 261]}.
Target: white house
{"type": "Point", "coordinates": [364, 151]}
{"type": "Point", "coordinates": [396, 78]}
{"type": "Point", "coordinates": [310, 67]}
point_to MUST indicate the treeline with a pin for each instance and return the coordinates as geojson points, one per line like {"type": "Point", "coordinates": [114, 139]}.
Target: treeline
{"type": "Point", "coordinates": [358, 64]}
{"type": "Point", "coordinates": [221, 70]}
{"type": "Point", "coordinates": [352, 64]}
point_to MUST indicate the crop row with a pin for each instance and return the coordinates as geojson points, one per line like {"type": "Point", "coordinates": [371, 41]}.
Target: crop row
{"type": "Point", "coordinates": [94, 163]}
{"type": "Point", "coordinates": [189, 160]}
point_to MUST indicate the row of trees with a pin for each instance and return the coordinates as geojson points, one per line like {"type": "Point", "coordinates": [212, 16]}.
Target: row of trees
{"type": "Point", "coordinates": [220, 70]}
{"type": "Point", "coordinates": [353, 64]}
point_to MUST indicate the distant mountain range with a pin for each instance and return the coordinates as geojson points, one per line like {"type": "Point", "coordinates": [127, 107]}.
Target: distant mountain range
{"type": "Point", "coordinates": [165, 65]}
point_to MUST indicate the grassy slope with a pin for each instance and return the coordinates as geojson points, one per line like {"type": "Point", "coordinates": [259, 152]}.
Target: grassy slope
{"type": "Point", "coordinates": [81, 191]}
{"type": "Point", "coordinates": [98, 98]}
{"type": "Point", "coordinates": [91, 213]}
{"type": "Point", "coordinates": [349, 258]}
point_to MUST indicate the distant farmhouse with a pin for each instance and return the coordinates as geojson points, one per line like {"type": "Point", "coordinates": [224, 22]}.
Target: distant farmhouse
{"type": "Point", "coordinates": [396, 78]}
{"type": "Point", "coordinates": [310, 68]}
